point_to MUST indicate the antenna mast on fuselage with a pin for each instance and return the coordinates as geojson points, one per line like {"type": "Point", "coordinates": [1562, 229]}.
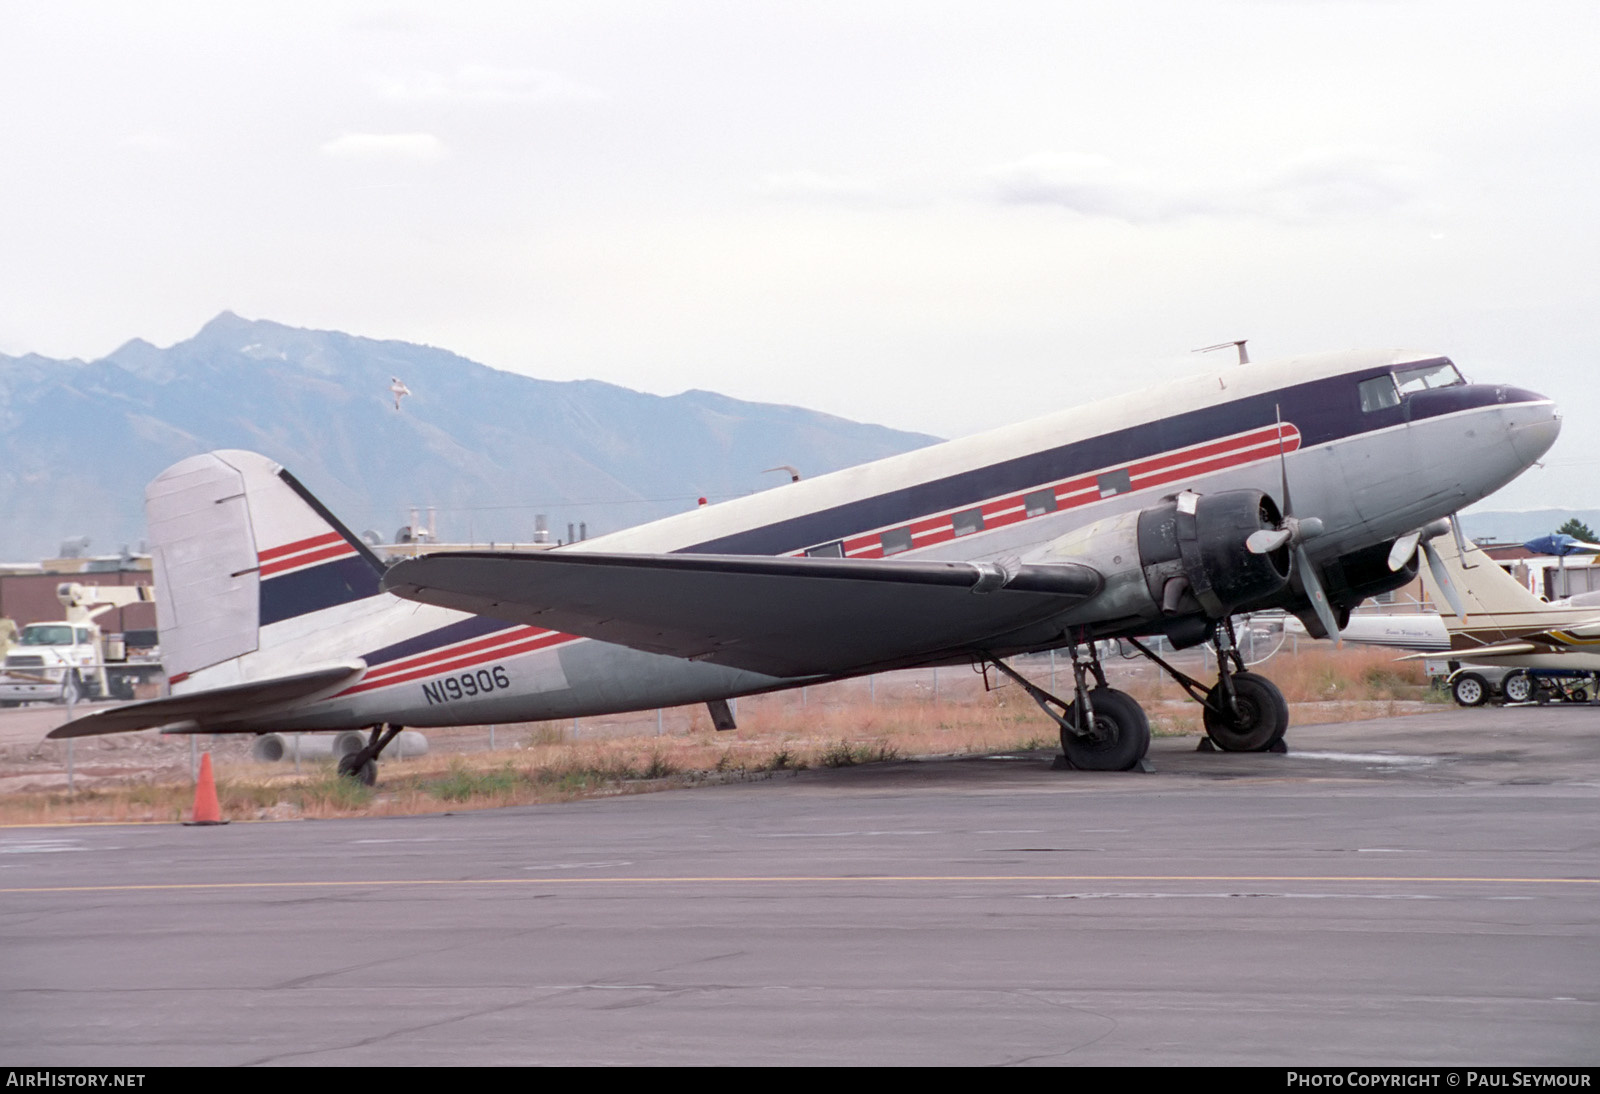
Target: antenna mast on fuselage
{"type": "Point", "coordinates": [1244, 357]}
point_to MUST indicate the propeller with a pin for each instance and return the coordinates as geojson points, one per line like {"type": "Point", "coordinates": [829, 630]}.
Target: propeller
{"type": "Point", "coordinates": [1406, 547]}
{"type": "Point", "coordinates": [1293, 532]}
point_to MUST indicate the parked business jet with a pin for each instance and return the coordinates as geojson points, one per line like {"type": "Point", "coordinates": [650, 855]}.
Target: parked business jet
{"type": "Point", "coordinates": [1505, 624]}
{"type": "Point", "coordinates": [1423, 630]}
{"type": "Point", "coordinates": [1163, 512]}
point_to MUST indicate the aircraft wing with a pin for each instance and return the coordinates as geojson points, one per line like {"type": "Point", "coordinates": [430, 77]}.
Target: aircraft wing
{"type": "Point", "coordinates": [780, 616]}
{"type": "Point", "coordinates": [214, 705]}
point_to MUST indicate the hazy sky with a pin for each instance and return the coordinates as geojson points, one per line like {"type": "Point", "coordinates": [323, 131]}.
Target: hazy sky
{"type": "Point", "coordinates": [938, 216]}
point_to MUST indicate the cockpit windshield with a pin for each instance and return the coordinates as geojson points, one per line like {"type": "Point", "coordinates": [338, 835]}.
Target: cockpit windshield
{"type": "Point", "coordinates": [1426, 377]}
{"type": "Point", "coordinates": [1387, 390]}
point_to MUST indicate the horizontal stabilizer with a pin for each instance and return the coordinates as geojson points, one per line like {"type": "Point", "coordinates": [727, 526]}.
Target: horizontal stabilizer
{"type": "Point", "coordinates": [781, 616]}
{"type": "Point", "coordinates": [216, 706]}
{"type": "Point", "coordinates": [1472, 653]}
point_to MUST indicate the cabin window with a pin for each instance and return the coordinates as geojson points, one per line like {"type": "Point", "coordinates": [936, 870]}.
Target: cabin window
{"type": "Point", "coordinates": [896, 541]}
{"type": "Point", "coordinates": [1379, 393]}
{"type": "Point", "coordinates": [1039, 502]}
{"type": "Point", "coordinates": [827, 550]}
{"type": "Point", "coordinates": [1114, 482]}
{"type": "Point", "coordinates": [967, 522]}
{"type": "Point", "coordinates": [1426, 377]}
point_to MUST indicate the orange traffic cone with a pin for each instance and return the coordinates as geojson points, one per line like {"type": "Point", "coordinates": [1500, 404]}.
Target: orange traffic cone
{"type": "Point", "coordinates": [206, 808]}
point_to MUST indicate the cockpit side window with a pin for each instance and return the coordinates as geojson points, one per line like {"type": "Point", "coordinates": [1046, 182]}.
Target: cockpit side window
{"type": "Point", "coordinates": [1378, 393]}
{"type": "Point", "coordinates": [1427, 377]}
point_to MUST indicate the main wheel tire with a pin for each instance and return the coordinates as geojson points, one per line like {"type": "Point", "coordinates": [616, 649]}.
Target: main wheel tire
{"type": "Point", "coordinates": [1263, 716]}
{"type": "Point", "coordinates": [1517, 687]}
{"type": "Point", "coordinates": [1119, 737]}
{"type": "Point", "coordinates": [1277, 700]}
{"type": "Point", "coordinates": [351, 766]}
{"type": "Point", "coordinates": [1577, 695]}
{"type": "Point", "coordinates": [1470, 690]}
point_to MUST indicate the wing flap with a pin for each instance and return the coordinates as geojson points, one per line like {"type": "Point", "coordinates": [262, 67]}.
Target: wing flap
{"type": "Point", "coordinates": [217, 705]}
{"type": "Point", "coordinates": [780, 616]}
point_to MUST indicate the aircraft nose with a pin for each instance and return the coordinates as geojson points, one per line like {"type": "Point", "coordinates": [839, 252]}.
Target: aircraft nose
{"type": "Point", "coordinates": [1533, 437]}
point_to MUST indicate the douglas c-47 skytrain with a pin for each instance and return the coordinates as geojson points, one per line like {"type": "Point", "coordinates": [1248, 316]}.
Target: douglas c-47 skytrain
{"type": "Point", "coordinates": [1306, 484]}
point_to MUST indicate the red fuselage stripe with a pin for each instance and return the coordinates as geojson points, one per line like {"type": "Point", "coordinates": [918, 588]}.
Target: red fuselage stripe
{"type": "Point", "coordinates": [421, 660]}
{"type": "Point", "coordinates": [456, 664]}
{"type": "Point", "coordinates": [300, 545]}
{"type": "Point", "coordinates": [1084, 489]}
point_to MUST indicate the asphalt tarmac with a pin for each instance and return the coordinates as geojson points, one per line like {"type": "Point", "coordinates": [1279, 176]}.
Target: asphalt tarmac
{"type": "Point", "coordinates": [1406, 891]}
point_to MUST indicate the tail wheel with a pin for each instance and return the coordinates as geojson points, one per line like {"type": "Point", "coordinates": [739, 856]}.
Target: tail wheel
{"type": "Point", "coordinates": [1262, 719]}
{"type": "Point", "coordinates": [352, 765]}
{"type": "Point", "coordinates": [1118, 738]}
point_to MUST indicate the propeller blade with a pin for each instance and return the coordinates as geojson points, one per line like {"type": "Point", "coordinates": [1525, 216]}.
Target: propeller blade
{"type": "Point", "coordinates": [1283, 463]}
{"type": "Point", "coordinates": [1314, 592]}
{"type": "Point", "coordinates": [1403, 549]}
{"type": "Point", "coordinates": [1441, 577]}
{"type": "Point", "coordinates": [1267, 540]}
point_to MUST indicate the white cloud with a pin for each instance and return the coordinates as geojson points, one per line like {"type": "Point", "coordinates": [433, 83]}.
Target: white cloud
{"type": "Point", "coordinates": [423, 147]}
{"type": "Point", "coordinates": [1336, 182]}
{"type": "Point", "coordinates": [1091, 185]}
{"type": "Point", "coordinates": [1317, 185]}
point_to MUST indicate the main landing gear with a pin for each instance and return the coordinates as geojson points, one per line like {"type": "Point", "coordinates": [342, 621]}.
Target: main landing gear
{"type": "Point", "coordinates": [1244, 711]}
{"type": "Point", "coordinates": [1104, 729]}
{"type": "Point", "coordinates": [362, 764]}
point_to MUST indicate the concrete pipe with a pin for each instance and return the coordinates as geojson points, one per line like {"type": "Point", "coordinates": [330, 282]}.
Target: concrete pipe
{"type": "Point", "coordinates": [277, 747]}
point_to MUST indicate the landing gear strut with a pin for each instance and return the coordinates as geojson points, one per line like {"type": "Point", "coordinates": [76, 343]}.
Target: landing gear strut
{"type": "Point", "coordinates": [1244, 711]}
{"type": "Point", "coordinates": [362, 764]}
{"type": "Point", "coordinates": [1102, 729]}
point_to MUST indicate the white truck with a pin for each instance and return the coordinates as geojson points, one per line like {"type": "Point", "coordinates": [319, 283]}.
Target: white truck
{"type": "Point", "coordinates": [62, 661]}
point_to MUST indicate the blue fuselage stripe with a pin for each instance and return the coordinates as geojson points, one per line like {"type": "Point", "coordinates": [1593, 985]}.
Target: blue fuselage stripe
{"type": "Point", "coordinates": [476, 626]}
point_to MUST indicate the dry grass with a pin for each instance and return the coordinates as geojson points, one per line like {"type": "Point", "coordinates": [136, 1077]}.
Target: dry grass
{"type": "Point", "coordinates": [836, 725]}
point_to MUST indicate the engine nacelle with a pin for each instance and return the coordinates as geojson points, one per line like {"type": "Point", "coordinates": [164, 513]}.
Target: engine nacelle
{"type": "Point", "coordinates": [1183, 560]}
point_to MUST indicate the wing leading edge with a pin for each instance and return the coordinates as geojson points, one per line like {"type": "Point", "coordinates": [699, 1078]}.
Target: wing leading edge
{"type": "Point", "coordinates": [780, 616]}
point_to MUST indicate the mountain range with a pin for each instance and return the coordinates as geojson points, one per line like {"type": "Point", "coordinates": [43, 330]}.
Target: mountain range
{"type": "Point", "coordinates": [490, 449]}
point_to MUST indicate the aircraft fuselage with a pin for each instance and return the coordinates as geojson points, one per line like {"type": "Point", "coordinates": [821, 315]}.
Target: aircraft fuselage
{"type": "Point", "coordinates": [1370, 463]}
